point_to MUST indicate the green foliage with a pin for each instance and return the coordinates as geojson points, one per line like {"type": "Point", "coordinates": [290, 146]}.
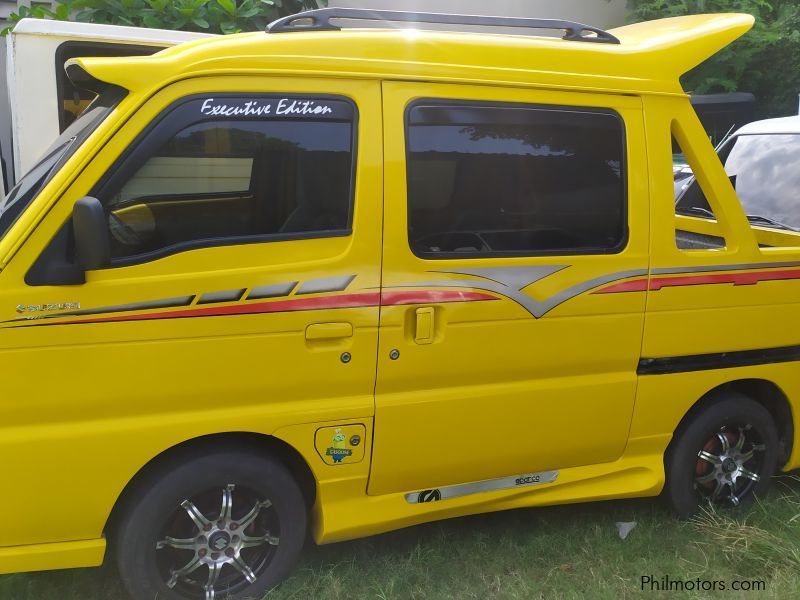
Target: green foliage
{"type": "Point", "coordinates": [210, 16]}
{"type": "Point", "coordinates": [765, 62]}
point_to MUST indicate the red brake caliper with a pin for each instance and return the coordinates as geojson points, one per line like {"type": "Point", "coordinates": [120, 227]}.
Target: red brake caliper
{"type": "Point", "coordinates": [713, 446]}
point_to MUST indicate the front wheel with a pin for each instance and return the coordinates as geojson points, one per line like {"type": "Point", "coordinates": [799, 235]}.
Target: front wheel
{"type": "Point", "coordinates": [724, 457]}
{"type": "Point", "coordinates": [220, 525]}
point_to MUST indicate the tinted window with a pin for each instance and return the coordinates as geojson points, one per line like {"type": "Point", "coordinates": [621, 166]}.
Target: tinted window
{"type": "Point", "coordinates": [231, 170]}
{"type": "Point", "coordinates": [486, 180]}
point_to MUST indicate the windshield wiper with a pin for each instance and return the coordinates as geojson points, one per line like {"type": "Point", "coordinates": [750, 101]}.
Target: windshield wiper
{"type": "Point", "coordinates": [772, 222]}
{"type": "Point", "coordinates": [696, 210]}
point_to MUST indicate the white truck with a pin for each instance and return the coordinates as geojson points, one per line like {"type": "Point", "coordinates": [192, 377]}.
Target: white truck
{"type": "Point", "coordinates": [37, 101]}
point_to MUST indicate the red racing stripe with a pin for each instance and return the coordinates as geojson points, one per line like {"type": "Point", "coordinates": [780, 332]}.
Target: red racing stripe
{"type": "Point", "coordinates": [714, 278]}
{"type": "Point", "coordinates": [356, 300]}
{"type": "Point", "coordinates": [736, 278]}
{"type": "Point", "coordinates": [398, 297]}
{"type": "Point", "coordinates": [290, 305]}
{"type": "Point", "coordinates": [636, 285]}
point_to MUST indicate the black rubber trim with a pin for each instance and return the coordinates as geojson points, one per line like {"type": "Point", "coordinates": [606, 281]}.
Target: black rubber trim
{"type": "Point", "coordinates": [719, 360]}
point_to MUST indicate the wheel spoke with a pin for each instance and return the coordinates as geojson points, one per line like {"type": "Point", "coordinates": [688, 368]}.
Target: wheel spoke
{"type": "Point", "coordinates": [249, 542]}
{"type": "Point", "coordinates": [213, 574]}
{"type": "Point", "coordinates": [244, 569]}
{"type": "Point", "coordinates": [749, 475]}
{"type": "Point", "coordinates": [190, 567]}
{"type": "Point", "coordinates": [706, 478]}
{"type": "Point", "coordinates": [179, 544]}
{"type": "Point", "coordinates": [740, 442]}
{"type": "Point", "coordinates": [227, 502]}
{"type": "Point", "coordinates": [723, 439]}
{"type": "Point", "coordinates": [195, 515]}
{"type": "Point", "coordinates": [251, 516]}
{"type": "Point", "coordinates": [708, 457]}
{"type": "Point", "coordinates": [717, 491]}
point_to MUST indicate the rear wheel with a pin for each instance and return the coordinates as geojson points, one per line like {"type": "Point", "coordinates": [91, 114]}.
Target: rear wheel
{"type": "Point", "coordinates": [221, 525]}
{"type": "Point", "coordinates": [724, 457]}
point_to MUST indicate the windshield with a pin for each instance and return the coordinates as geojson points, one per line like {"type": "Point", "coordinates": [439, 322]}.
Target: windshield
{"type": "Point", "coordinates": [765, 171]}
{"type": "Point", "coordinates": [27, 188]}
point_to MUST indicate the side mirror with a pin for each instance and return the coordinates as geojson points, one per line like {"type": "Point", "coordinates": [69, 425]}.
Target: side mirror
{"type": "Point", "coordinates": [92, 241]}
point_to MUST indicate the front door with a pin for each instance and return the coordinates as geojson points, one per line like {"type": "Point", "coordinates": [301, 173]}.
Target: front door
{"type": "Point", "coordinates": [244, 216]}
{"type": "Point", "coordinates": [509, 341]}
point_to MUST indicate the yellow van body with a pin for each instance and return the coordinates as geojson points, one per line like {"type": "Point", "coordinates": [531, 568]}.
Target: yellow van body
{"type": "Point", "coordinates": [384, 376]}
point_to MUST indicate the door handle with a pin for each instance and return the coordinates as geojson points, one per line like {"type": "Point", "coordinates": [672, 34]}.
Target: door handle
{"type": "Point", "coordinates": [425, 325]}
{"type": "Point", "coordinates": [329, 331]}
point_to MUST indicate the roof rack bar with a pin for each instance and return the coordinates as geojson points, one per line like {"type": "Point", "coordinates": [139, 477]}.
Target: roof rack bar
{"type": "Point", "coordinates": [320, 20]}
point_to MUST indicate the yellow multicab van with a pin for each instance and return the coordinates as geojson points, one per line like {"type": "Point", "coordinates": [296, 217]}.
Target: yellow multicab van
{"type": "Point", "coordinates": [351, 281]}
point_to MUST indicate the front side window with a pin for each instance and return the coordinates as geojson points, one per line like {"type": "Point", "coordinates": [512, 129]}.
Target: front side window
{"type": "Point", "coordinates": [226, 170]}
{"type": "Point", "coordinates": [496, 179]}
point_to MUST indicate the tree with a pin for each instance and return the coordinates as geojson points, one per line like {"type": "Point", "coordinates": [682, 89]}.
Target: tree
{"type": "Point", "coordinates": [210, 16]}
{"type": "Point", "coordinates": [766, 61]}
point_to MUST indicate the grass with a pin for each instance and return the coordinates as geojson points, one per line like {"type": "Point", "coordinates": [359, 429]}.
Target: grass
{"type": "Point", "coordinates": [563, 552]}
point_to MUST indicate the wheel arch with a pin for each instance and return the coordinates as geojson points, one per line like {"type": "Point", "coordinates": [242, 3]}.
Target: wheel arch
{"type": "Point", "coordinates": [255, 443]}
{"type": "Point", "coordinates": [765, 392]}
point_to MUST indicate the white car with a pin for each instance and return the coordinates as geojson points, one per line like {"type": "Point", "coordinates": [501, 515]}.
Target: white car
{"type": "Point", "coordinates": [762, 160]}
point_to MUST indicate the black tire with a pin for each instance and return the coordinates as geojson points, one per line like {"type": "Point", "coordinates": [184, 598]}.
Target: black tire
{"type": "Point", "coordinates": [693, 478]}
{"type": "Point", "coordinates": [261, 485]}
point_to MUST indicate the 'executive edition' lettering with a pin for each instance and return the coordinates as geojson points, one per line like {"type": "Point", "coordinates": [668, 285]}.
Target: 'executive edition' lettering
{"type": "Point", "coordinates": [258, 108]}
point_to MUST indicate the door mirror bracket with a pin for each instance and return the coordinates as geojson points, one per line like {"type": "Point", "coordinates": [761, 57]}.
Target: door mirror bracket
{"type": "Point", "coordinates": [92, 241]}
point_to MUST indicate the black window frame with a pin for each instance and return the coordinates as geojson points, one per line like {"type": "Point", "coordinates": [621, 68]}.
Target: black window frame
{"type": "Point", "coordinates": [150, 139]}
{"type": "Point", "coordinates": [479, 104]}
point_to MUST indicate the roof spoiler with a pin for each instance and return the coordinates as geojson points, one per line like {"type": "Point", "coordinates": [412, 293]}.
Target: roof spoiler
{"type": "Point", "coordinates": [682, 43]}
{"type": "Point", "coordinates": [650, 57]}
{"type": "Point", "coordinates": [81, 78]}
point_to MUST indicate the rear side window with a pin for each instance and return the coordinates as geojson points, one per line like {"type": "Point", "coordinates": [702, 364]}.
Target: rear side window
{"type": "Point", "coordinates": [528, 180]}
{"type": "Point", "coordinates": [228, 170]}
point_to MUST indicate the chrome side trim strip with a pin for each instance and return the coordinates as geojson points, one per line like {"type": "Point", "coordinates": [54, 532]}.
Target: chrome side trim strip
{"type": "Point", "coordinates": [479, 487]}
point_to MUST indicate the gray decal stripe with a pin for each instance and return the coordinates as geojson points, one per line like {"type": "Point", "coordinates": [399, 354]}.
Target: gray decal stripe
{"type": "Point", "coordinates": [327, 284]}
{"type": "Point", "coordinates": [538, 308]}
{"type": "Point", "coordinates": [713, 268]}
{"type": "Point", "coordinates": [274, 290]}
{"type": "Point", "coordinates": [480, 487]}
{"type": "Point", "coordinates": [513, 277]}
{"type": "Point", "coordinates": [226, 296]}
{"type": "Point", "coordinates": [166, 303]}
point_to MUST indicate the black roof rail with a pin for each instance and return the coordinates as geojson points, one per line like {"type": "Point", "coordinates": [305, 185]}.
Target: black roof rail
{"type": "Point", "coordinates": [320, 20]}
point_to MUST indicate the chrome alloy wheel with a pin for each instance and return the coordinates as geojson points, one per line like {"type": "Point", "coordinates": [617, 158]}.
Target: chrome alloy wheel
{"type": "Point", "coordinates": [207, 557]}
{"type": "Point", "coordinates": [729, 464]}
